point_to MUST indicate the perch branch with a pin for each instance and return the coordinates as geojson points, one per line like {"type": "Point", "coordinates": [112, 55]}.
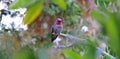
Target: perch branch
{"type": "Point", "coordinates": [101, 51]}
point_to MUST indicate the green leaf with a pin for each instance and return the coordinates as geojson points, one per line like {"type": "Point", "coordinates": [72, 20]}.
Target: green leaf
{"type": "Point", "coordinates": [24, 53]}
{"type": "Point", "coordinates": [71, 54]}
{"type": "Point", "coordinates": [89, 53]}
{"type": "Point", "coordinates": [90, 48]}
{"type": "Point", "coordinates": [41, 53]}
{"type": "Point", "coordinates": [106, 57]}
{"type": "Point", "coordinates": [105, 0]}
{"type": "Point", "coordinates": [102, 4]}
{"type": "Point", "coordinates": [112, 28]}
{"type": "Point", "coordinates": [21, 4]}
{"type": "Point", "coordinates": [32, 12]}
{"type": "Point", "coordinates": [99, 16]}
{"type": "Point", "coordinates": [60, 3]}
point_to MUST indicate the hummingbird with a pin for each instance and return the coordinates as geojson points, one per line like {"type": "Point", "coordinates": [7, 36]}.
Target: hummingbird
{"type": "Point", "coordinates": [57, 28]}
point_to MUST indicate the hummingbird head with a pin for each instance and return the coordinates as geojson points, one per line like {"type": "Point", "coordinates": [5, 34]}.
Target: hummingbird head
{"type": "Point", "coordinates": [58, 21]}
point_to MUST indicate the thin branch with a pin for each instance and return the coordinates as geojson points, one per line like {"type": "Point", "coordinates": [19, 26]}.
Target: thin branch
{"type": "Point", "coordinates": [99, 50]}
{"type": "Point", "coordinates": [63, 46]}
{"type": "Point", "coordinates": [71, 37]}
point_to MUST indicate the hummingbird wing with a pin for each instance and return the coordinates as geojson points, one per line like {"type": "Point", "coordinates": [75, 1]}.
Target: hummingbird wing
{"type": "Point", "coordinates": [56, 30]}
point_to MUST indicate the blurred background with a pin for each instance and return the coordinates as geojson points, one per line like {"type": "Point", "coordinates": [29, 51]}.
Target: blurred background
{"type": "Point", "coordinates": [90, 29]}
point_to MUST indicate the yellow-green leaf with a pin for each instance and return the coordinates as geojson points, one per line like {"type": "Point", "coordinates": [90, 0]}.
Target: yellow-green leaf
{"type": "Point", "coordinates": [32, 12]}
{"type": "Point", "coordinates": [23, 53]}
{"type": "Point", "coordinates": [99, 16]}
{"type": "Point", "coordinates": [21, 4]}
{"type": "Point", "coordinates": [60, 3]}
{"type": "Point", "coordinates": [113, 32]}
{"type": "Point", "coordinates": [71, 54]}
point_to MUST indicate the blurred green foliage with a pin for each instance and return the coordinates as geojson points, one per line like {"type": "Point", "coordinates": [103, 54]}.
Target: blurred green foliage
{"type": "Point", "coordinates": [60, 3]}
{"type": "Point", "coordinates": [70, 12]}
{"type": "Point", "coordinates": [21, 4]}
{"type": "Point", "coordinates": [29, 17]}
{"type": "Point", "coordinates": [23, 53]}
{"type": "Point", "coordinates": [106, 57]}
{"type": "Point", "coordinates": [110, 22]}
{"type": "Point", "coordinates": [71, 54]}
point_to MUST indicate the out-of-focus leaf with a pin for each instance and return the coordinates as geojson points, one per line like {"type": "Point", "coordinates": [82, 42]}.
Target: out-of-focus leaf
{"type": "Point", "coordinates": [105, 0]}
{"type": "Point", "coordinates": [24, 53]}
{"type": "Point", "coordinates": [106, 57]}
{"type": "Point", "coordinates": [90, 53]}
{"type": "Point", "coordinates": [112, 28]}
{"type": "Point", "coordinates": [41, 53]}
{"type": "Point", "coordinates": [71, 54]}
{"type": "Point", "coordinates": [114, 1]}
{"type": "Point", "coordinates": [116, 17]}
{"type": "Point", "coordinates": [90, 50]}
{"type": "Point", "coordinates": [21, 4]}
{"type": "Point", "coordinates": [97, 1]}
{"type": "Point", "coordinates": [102, 4]}
{"type": "Point", "coordinates": [32, 12]}
{"type": "Point", "coordinates": [60, 3]}
{"type": "Point", "coordinates": [99, 16]}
